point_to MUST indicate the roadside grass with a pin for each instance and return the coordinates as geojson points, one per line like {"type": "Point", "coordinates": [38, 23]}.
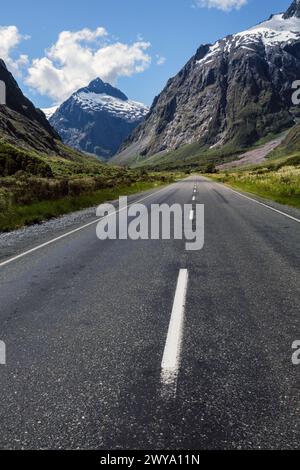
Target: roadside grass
{"type": "Point", "coordinates": [35, 187]}
{"type": "Point", "coordinates": [17, 216]}
{"type": "Point", "coordinates": [280, 184]}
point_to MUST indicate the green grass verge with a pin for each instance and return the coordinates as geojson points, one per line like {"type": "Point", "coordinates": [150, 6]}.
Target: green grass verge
{"type": "Point", "coordinates": [36, 187]}
{"type": "Point", "coordinates": [281, 185]}
{"type": "Point", "coordinates": [18, 216]}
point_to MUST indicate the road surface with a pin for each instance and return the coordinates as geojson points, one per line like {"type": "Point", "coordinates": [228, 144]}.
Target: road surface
{"type": "Point", "coordinates": [86, 326]}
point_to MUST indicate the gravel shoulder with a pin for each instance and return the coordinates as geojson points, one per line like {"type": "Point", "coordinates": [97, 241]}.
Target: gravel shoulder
{"type": "Point", "coordinates": [17, 241]}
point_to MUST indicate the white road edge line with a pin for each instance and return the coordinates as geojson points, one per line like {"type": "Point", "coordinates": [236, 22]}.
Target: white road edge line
{"type": "Point", "coordinates": [264, 205]}
{"type": "Point", "coordinates": [43, 245]}
{"type": "Point", "coordinates": [192, 215]}
{"type": "Point", "coordinates": [171, 358]}
{"type": "Point", "coordinates": [256, 201]}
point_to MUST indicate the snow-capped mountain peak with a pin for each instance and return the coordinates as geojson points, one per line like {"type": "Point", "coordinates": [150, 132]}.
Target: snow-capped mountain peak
{"type": "Point", "coordinates": [128, 110]}
{"type": "Point", "coordinates": [97, 118]}
{"type": "Point", "coordinates": [102, 97]}
{"type": "Point", "coordinates": [99, 87]}
{"type": "Point", "coordinates": [274, 31]}
{"type": "Point", "coordinates": [277, 30]}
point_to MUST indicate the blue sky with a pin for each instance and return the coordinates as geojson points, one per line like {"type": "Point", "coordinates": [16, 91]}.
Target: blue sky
{"type": "Point", "coordinates": [130, 33]}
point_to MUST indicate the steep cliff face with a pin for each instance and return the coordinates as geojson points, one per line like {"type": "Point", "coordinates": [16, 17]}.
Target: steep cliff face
{"type": "Point", "coordinates": [234, 91]}
{"type": "Point", "coordinates": [293, 10]}
{"type": "Point", "coordinates": [21, 123]}
{"type": "Point", "coordinates": [97, 119]}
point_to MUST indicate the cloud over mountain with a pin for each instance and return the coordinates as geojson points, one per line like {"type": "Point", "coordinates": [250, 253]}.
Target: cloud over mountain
{"type": "Point", "coordinates": [10, 38]}
{"type": "Point", "coordinates": [78, 57]}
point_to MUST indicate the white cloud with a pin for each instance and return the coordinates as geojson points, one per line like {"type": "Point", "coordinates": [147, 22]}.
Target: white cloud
{"type": "Point", "coordinates": [160, 60]}
{"type": "Point", "coordinates": [79, 57]}
{"type": "Point", "coordinates": [9, 40]}
{"type": "Point", "coordinates": [225, 5]}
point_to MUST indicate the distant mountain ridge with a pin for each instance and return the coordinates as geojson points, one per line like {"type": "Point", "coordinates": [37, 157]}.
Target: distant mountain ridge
{"type": "Point", "coordinates": [232, 92]}
{"type": "Point", "coordinates": [97, 119]}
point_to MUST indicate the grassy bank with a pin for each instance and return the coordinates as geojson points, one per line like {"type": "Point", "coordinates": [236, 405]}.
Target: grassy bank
{"type": "Point", "coordinates": [17, 216]}
{"type": "Point", "coordinates": [275, 182]}
{"type": "Point", "coordinates": [35, 187]}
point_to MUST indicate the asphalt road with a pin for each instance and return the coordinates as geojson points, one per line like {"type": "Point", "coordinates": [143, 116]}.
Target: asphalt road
{"type": "Point", "coordinates": [85, 323]}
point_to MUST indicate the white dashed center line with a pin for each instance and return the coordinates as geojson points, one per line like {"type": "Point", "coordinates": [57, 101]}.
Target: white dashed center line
{"type": "Point", "coordinates": [192, 215]}
{"type": "Point", "coordinates": [171, 358]}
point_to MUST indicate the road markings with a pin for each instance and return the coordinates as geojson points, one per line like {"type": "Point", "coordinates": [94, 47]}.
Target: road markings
{"type": "Point", "coordinates": [256, 201]}
{"type": "Point", "coordinates": [265, 205]}
{"type": "Point", "coordinates": [191, 215]}
{"type": "Point", "coordinates": [43, 245]}
{"type": "Point", "coordinates": [171, 358]}
{"type": "Point", "coordinates": [194, 198]}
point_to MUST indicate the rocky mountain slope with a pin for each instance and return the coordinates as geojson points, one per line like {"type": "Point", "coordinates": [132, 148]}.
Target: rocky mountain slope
{"type": "Point", "coordinates": [290, 145]}
{"type": "Point", "coordinates": [232, 92]}
{"type": "Point", "coordinates": [97, 119]}
{"type": "Point", "coordinates": [23, 125]}
{"type": "Point", "coordinates": [254, 156]}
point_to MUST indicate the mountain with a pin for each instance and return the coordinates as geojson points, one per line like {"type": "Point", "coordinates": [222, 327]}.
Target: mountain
{"type": "Point", "coordinates": [230, 93]}
{"type": "Point", "coordinates": [290, 145]}
{"type": "Point", "coordinates": [50, 111]}
{"type": "Point", "coordinates": [293, 10]}
{"type": "Point", "coordinates": [97, 119]}
{"type": "Point", "coordinates": [23, 125]}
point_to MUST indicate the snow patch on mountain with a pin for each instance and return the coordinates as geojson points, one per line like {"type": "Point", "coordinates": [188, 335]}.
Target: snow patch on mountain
{"type": "Point", "coordinates": [50, 111]}
{"type": "Point", "coordinates": [128, 110]}
{"type": "Point", "coordinates": [273, 32]}
{"type": "Point", "coordinates": [97, 119]}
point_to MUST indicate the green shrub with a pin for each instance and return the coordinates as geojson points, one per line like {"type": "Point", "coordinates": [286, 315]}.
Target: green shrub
{"type": "Point", "coordinates": [13, 160]}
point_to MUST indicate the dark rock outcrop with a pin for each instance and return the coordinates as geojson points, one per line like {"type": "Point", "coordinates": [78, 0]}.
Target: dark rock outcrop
{"type": "Point", "coordinates": [21, 123]}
